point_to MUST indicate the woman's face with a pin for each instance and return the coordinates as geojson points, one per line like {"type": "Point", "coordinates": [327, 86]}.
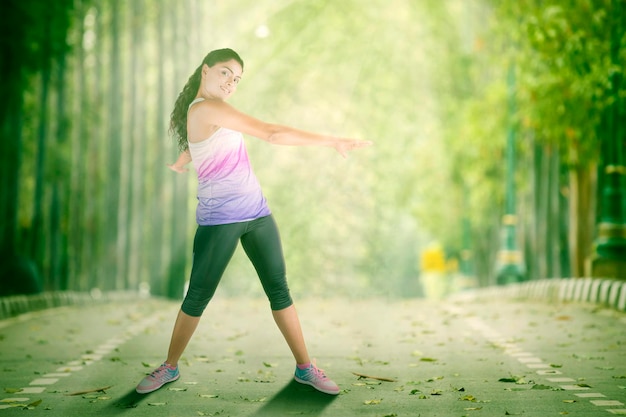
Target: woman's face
{"type": "Point", "coordinates": [220, 81]}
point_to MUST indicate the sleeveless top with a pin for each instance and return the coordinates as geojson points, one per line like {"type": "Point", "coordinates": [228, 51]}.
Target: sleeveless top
{"type": "Point", "coordinates": [228, 190]}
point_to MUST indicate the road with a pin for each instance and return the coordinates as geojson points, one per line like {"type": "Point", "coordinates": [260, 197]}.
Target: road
{"type": "Point", "coordinates": [423, 358]}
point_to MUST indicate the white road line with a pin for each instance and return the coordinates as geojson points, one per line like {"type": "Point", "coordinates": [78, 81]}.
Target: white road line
{"type": "Point", "coordinates": [76, 365]}
{"type": "Point", "coordinates": [533, 362]}
{"type": "Point", "coordinates": [590, 395]}
{"type": "Point", "coordinates": [561, 379]}
{"type": "Point", "coordinates": [32, 390]}
{"type": "Point", "coordinates": [606, 403]}
{"type": "Point", "coordinates": [44, 381]}
{"type": "Point", "coordinates": [574, 388]}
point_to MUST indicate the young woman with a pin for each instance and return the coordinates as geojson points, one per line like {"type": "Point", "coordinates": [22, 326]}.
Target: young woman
{"type": "Point", "coordinates": [232, 208]}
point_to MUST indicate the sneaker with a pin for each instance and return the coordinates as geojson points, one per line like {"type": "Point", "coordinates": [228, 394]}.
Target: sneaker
{"type": "Point", "coordinates": [316, 378]}
{"type": "Point", "coordinates": [159, 377]}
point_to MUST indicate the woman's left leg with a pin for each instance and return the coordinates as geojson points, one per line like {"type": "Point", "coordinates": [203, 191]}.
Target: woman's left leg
{"type": "Point", "coordinates": [289, 324]}
{"type": "Point", "coordinates": [262, 245]}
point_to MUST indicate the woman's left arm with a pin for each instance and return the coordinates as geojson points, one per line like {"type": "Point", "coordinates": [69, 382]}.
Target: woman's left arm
{"type": "Point", "coordinates": [222, 114]}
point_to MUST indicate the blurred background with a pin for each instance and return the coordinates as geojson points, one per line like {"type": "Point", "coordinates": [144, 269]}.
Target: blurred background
{"type": "Point", "coordinates": [498, 130]}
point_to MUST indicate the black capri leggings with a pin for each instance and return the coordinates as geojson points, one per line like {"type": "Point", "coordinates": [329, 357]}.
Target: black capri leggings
{"type": "Point", "coordinates": [214, 246]}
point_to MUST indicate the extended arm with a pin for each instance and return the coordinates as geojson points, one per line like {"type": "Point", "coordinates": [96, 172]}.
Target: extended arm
{"type": "Point", "coordinates": [219, 113]}
{"type": "Point", "coordinates": [183, 159]}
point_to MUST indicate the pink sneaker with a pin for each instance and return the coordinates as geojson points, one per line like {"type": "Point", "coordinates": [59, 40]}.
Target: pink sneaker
{"type": "Point", "coordinates": [316, 378]}
{"type": "Point", "coordinates": [159, 377]}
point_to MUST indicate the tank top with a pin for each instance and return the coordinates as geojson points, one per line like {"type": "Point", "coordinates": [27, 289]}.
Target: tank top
{"type": "Point", "coordinates": [228, 190]}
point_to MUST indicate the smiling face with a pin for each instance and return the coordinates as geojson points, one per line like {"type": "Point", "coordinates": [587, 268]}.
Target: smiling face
{"type": "Point", "coordinates": [220, 81]}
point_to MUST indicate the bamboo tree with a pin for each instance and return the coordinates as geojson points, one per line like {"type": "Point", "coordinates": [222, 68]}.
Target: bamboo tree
{"type": "Point", "coordinates": [179, 216]}
{"type": "Point", "coordinates": [114, 139]}
{"type": "Point", "coordinates": [39, 239]}
{"type": "Point", "coordinates": [140, 139]}
{"type": "Point", "coordinates": [96, 231]}
{"type": "Point", "coordinates": [58, 163]}
{"type": "Point", "coordinates": [155, 210]}
{"type": "Point", "coordinates": [78, 203]}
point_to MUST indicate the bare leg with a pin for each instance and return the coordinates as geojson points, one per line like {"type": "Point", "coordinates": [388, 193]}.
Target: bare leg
{"type": "Point", "coordinates": [289, 325]}
{"type": "Point", "coordinates": [184, 328]}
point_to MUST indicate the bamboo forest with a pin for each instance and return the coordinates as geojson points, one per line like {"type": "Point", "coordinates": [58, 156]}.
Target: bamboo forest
{"type": "Point", "coordinates": [497, 127]}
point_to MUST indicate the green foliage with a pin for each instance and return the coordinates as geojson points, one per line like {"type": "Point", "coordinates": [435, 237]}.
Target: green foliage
{"type": "Point", "coordinates": [426, 81]}
{"type": "Point", "coordinates": [566, 69]}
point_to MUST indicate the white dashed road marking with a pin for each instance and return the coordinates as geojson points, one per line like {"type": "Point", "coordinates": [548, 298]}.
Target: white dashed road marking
{"type": "Point", "coordinates": [39, 385]}
{"type": "Point", "coordinates": [533, 362]}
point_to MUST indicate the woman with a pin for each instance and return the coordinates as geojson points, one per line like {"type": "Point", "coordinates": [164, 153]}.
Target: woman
{"type": "Point", "coordinates": [232, 208]}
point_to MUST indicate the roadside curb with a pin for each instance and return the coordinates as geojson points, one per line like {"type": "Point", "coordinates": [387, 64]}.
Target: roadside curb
{"type": "Point", "coordinates": [15, 305]}
{"type": "Point", "coordinates": [606, 292]}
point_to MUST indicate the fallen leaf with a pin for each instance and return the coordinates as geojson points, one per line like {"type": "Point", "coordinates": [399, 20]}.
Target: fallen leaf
{"type": "Point", "coordinates": [372, 402]}
{"type": "Point", "coordinates": [13, 390]}
{"type": "Point", "coordinates": [103, 389]}
{"type": "Point", "coordinates": [468, 398]}
{"type": "Point", "coordinates": [258, 400]}
{"type": "Point", "coordinates": [545, 387]}
{"type": "Point", "coordinates": [33, 405]}
{"type": "Point", "coordinates": [379, 378]}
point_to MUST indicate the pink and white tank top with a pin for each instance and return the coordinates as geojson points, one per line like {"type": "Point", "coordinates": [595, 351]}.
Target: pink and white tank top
{"type": "Point", "coordinates": [228, 190]}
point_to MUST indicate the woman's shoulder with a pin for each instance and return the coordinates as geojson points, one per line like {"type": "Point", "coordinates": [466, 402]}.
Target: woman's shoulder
{"type": "Point", "coordinates": [202, 103]}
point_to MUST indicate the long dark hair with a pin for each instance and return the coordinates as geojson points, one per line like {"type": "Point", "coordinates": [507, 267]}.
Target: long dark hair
{"type": "Point", "coordinates": [178, 118]}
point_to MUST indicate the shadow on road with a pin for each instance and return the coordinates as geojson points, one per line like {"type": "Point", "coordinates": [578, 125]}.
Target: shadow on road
{"type": "Point", "coordinates": [130, 400]}
{"type": "Point", "coordinates": [295, 397]}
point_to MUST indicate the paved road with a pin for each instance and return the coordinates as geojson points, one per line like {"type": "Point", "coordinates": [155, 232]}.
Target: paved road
{"type": "Point", "coordinates": [435, 359]}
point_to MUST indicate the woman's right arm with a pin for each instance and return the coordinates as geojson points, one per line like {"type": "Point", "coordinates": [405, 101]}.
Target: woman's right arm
{"type": "Point", "coordinates": [183, 159]}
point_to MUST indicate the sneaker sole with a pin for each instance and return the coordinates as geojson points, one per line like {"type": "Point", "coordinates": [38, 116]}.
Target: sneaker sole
{"type": "Point", "coordinates": [325, 391]}
{"type": "Point", "coordinates": [148, 390]}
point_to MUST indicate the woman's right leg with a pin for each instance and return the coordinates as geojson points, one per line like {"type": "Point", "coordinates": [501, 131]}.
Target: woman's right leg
{"type": "Point", "coordinates": [213, 248]}
{"type": "Point", "coordinates": [184, 328]}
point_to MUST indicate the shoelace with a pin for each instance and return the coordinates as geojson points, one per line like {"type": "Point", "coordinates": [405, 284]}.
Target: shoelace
{"type": "Point", "coordinates": [159, 373]}
{"type": "Point", "coordinates": [317, 371]}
